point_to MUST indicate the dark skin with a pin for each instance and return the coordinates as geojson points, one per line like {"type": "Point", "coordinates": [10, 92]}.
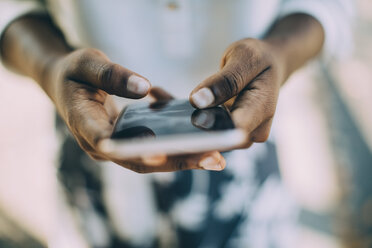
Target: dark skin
{"type": "Point", "coordinates": [80, 82]}
{"type": "Point", "coordinates": [252, 72]}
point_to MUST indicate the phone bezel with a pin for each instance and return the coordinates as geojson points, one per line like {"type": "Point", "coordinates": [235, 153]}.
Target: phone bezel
{"type": "Point", "coordinates": [177, 144]}
{"type": "Point", "coordinates": [220, 140]}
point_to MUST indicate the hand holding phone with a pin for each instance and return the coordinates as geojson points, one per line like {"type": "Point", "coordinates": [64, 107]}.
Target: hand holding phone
{"type": "Point", "coordinates": [173, 127]}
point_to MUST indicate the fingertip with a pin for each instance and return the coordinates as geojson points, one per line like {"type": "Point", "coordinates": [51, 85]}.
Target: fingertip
{"type": "Point", "coordinates": [221, 158]}
{"type": "Point", "coordinates": [138, 85]}
{"type": "Point", "coordinates": [105, 146]}
{"type": "Point", "coordinates": [223, 162]}
{"type": "Point", "coordinates": [213, 161]}
{"type": "Point", "coordinates": [154, 160]}
{"type": "Point", "coordinates": [202, 98]}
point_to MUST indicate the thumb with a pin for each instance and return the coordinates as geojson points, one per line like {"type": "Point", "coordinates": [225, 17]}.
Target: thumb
{"type": "Point", "coordinates": [225, 84]}
{"type": "Point", "coordinates": [92, 67]}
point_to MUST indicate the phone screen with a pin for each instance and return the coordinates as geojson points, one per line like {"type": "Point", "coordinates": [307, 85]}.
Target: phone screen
{"type": "Point", "coordinates": [171, 117]}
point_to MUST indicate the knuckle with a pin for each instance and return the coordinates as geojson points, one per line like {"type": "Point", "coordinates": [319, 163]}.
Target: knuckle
{"type": "Point", "coordinates": [245, 48]}
{"type": "Point", "coordinates": [231, 83]}
{"type": "Point", "coordinates": [105, 76]}
{"type": "Point", "coordinates": [104, 73]}
{"type": "Point", "coordinates": [77, 60]}
{"type": "Point", "coordinates": [83, 57]}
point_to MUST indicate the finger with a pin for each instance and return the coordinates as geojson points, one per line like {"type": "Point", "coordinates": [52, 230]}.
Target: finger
{"type": "Point", "coordinates": [111, 108]}
{"type": "Point", "coordinates": [207, 161]}
{"type": "Point", "coordinates": [254, 110]}
{"type": "Point", "coordinates": [154, 160]}
{"type": "Point", "coordinates": [262, 132]}
{"type": "Point", "coordinates": [213, 161]}
{"type": "Point", "coordinates": [225, 84]}
{"type": "Point", "coordinates": [94, 68]}
{"type": "Point", "coordinates": [160, 94]}
{"type": "Point", "coordinates": [259, 135]}
{"type": "Point", "coordinates": [87, 117]}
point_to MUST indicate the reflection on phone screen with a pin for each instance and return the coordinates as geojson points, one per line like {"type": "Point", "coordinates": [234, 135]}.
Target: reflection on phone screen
{"type": "Point", "coordinates": [171, 117]}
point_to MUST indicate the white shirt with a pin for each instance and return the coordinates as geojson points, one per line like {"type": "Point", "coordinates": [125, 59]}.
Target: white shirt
{"type": "Point", "coordinates": [178, 43]}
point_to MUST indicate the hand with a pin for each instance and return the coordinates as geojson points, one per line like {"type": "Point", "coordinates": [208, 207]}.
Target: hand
{"type": "Point", "coordinates": [80, 83]}
{"type": "Point", "coordinates": [251, 74]}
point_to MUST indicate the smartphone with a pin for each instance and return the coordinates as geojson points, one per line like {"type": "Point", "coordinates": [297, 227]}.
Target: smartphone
{"type": "Point", "coordinates": [173, 127]}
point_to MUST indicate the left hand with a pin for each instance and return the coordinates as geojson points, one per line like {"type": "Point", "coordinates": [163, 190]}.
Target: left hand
{"type": "Point", "coordinates": [251, 74]}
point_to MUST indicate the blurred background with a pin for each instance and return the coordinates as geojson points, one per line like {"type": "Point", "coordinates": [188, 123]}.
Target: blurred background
{"type": "Point", "coordinates": [324, 139]}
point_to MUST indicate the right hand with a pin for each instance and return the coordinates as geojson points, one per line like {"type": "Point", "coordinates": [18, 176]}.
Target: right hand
{"type": "Point", "coordinates": [80, 83]}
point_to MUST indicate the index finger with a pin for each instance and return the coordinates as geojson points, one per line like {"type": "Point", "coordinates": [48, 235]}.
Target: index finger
{"type": "Point", "coordinates": [225, 84]}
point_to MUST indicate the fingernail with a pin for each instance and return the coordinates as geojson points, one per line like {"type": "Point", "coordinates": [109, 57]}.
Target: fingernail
{"type": "Point", "coordinates": [137, 85]}
{"type": "Point", "coordinates": [203, 98]}
{"type": "Point", "coordinates": [204, 119]}
{"type": "Point", "coordinates": [210, 163]}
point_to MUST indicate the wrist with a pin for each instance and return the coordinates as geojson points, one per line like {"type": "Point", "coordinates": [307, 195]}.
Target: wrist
{"type": "Point", "coordinates": [31, 45]}
{"type": "Point", "coordinates": [297, 38]}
